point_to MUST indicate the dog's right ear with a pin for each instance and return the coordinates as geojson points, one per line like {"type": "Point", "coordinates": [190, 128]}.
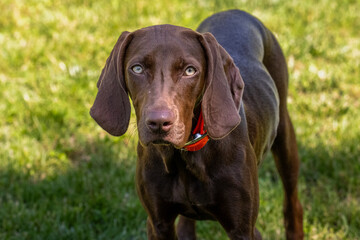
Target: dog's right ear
{"type": "Point", "coordinates": [111, 108]}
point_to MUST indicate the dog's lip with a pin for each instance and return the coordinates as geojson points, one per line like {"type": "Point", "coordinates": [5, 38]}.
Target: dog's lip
{"type": "Point", "coordinates": [165, 143]}
{"type": "Point", "coordinates": [171, 138]}
{"type": "Point", "coordinates": [161, 142]}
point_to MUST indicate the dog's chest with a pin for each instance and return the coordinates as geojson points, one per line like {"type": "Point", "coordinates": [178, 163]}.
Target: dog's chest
{"type": "Point", "coordinates": [184, 182]}
{"type": "Point", "coordinates": [193, 197]}
{"type": "Point", "coordinates": [192, 191]}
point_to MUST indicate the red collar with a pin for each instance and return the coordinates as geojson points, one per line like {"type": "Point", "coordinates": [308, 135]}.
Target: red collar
{"type": "Point", "coordinates": [200, 136]}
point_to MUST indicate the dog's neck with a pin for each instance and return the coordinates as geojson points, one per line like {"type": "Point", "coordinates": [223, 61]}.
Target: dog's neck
{"type": "Point", "coordinates": [176, 161]}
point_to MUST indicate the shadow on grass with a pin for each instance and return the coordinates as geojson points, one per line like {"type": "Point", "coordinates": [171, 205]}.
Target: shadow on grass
{"type": "Point", "coordinates": [93, 199]}
{"type": "Point", "coordinates": [96, 198]}
{"type": "Point", "coordinates": [328, 189]}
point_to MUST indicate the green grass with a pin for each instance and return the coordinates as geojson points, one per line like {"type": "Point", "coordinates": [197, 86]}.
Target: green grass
{"type": "Point", "coordinates": [62, 177]}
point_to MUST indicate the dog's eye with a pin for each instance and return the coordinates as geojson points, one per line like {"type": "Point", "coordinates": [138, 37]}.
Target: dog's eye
{"type": "Point", "coordinates": [137, 69]}
{"type": "Point", "coordinates": [190, 71]}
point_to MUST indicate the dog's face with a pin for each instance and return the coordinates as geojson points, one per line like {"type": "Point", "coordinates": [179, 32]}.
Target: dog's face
{"type": "Point", "coordinates": [164, 73]}
{"type": "Point", "coordinates": [167, 70]}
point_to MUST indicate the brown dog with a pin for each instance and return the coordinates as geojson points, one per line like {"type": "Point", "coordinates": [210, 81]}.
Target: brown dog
{"type": "Point", "coordinates": [203, 127]}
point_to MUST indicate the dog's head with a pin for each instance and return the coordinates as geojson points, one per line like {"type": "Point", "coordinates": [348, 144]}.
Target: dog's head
{"type": "Point", "coordinates": [167, 71]}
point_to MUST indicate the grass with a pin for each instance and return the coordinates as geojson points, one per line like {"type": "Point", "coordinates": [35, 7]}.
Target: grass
{"type": "Point", "coordinates": [62, 177]}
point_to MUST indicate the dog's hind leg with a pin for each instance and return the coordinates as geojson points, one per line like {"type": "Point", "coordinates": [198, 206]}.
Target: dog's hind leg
{"type": "Point", "coordinates": [287, 162]}
{"type": "Point", "coordinates": [284, 148]}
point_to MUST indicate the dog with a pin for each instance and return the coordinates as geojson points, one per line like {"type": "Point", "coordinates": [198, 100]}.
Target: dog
{"type": "Point", "coordinates": [209, 105]}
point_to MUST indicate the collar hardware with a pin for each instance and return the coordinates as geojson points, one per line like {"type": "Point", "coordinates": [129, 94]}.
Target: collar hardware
{"type": "Point", "coordinates": [200, 137]}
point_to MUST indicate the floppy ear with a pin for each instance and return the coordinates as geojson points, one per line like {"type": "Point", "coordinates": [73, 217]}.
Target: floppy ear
{"type": "Point", "coordinates": [223, 90]}
{"type": "Point", "coordinates": [111, 108]}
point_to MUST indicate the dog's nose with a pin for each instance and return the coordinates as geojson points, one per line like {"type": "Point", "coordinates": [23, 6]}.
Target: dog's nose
{"type": "Point", "coordinates": [160, 121]}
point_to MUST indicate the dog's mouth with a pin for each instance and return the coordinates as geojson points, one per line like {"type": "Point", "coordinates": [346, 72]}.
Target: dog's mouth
{"type": "Point", "coordinates": [164, 140]}
{"type": "Point", "coordinates": [161, 142]}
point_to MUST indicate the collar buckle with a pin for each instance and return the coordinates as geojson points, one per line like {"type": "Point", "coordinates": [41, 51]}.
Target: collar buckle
{"type": "Point", "coordinates": [197, 143]}
{"type": "Point", "coordinates": [200, 137]}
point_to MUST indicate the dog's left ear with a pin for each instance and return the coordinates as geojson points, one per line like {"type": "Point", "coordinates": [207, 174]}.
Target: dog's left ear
{"type": "Point", "coordinates": [223, 89]}
{"type": "Point", "coordinates": [111, 108]}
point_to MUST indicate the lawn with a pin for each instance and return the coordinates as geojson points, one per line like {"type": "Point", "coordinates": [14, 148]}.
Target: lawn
{"type": "Point", "coordinates": [63, 177]}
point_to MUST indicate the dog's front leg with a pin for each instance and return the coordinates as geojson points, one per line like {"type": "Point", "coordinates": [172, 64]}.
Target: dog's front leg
{"type": "Point", "coordinates": [237, 197]}
{"type": "Point", "coordinates": [160, 229]}
{"type": "Point", "coordinates": [237, 214]}
{"type": "Point", "coordinates": [152, 185]}
{"type": "Point", "coordinates": [161, 214]}
{"type": "Point", "coordinates": [161, 218]}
